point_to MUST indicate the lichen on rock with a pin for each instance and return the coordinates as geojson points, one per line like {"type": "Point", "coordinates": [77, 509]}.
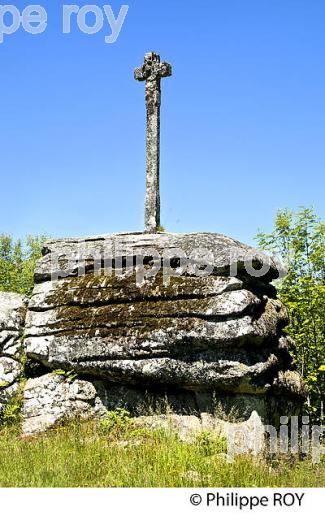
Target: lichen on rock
{"type": "Point", "coordinates": [12, 318]}
{"type": "Point", "coordinates": [192, 346]}
{"type": "Point", "coordinates": [218, 334]}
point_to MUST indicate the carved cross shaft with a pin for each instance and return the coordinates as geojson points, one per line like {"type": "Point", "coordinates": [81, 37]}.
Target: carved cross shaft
{"type": "Point", "coordinates": [151, 72]}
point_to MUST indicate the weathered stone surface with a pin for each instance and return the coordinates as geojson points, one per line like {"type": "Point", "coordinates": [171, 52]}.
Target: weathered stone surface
{"type": "Point", "coordinates": [12, 316]}
{"type": "Point", "coordinates": [200, 341]}
{"type": "Point", "coordinates": [6, 395]}
{"type": "Point", "coordinates": [9, 371]}
{"type": "Point", "coordinates": [64, 257]}
{"type": "Point", "coordinates": [152, 71]}
{"type": "Point", "coordinates": [219, 333]}
{"type": "Point", "coordinates": [51, 399]}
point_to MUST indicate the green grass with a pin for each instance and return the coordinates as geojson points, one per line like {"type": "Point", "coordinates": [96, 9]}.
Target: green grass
{"type": "Point", "coordinates": [106, 455]}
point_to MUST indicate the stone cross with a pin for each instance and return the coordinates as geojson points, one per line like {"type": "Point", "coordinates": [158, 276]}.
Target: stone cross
{"type": "Point", "coordinates": [151, 72]}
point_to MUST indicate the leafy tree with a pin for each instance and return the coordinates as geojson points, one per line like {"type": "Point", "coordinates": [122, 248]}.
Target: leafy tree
{"type": "Point", "coordinates": [17, 263]}
{"type": "Point", "coordinates": [299, 239]}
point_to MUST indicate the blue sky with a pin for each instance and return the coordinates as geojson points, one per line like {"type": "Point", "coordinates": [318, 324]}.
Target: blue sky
{"type": "Point", "coordinates": [243, 118]}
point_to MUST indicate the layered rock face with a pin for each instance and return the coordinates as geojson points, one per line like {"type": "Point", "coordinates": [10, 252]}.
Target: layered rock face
{"type": "Point", "coordinates": [195, 323]}
{"type": "Point", "coordinates": [12, 318]}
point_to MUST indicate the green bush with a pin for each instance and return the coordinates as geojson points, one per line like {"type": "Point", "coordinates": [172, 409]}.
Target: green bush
{"type": "Point", "coordinates": [115, 422]}
{"type": "Point", "coordinates": [17, 263]}
{"type": "Point", "coordinates": [299, 239]}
